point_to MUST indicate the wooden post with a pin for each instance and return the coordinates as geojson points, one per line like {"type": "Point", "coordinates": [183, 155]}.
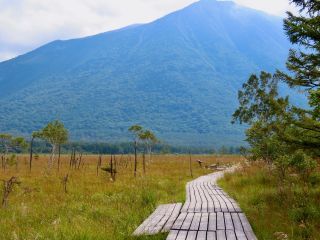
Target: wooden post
{"type": "Point", "coordinates": [190, 165]}
{"type": "Point", "coordinates": [115, 168]}
{"type": "Point", "coordinates": [59, 155]}
{"type": "Point", "coordinates": [31, 153]}
{"type": "Point", "coordinates": [111, 166]}
{"type": "Point", "coordinates": [99, 163]}
{"type": "Point", "coordinates": [135, 158]}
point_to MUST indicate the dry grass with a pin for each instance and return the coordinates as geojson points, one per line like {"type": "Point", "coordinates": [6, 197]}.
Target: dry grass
{"type": "Point", "coordinates": [94, 207]}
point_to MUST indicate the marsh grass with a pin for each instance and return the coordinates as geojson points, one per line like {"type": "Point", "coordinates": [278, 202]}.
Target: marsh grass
{"type": "Point", "coordinates": [275, 210]}
{"type": "Point", "coordinates": [94, 207]}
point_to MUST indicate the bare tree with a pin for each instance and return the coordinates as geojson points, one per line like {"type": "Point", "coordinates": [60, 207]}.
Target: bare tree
{"type": "Point", "coordinates": [8, 143]}
{"type": "Point", "coordinates": [33, 137]}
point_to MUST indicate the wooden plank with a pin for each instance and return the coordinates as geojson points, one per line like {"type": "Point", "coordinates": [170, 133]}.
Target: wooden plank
{"type": "Point", "coordinates": [140, 230]}
{"type": "Point", "coordinates": [221, 235]}
{"type": "Point", "coordinates": [179, 221]}
{"type": "Point", "coordinates": [212, 222]}
{"type": "Point", "coordinates": [220, 221]}
{"type": "Point", "coordinates": [230, 234]}
{"type": "Point", "coordinates": [202, 235]}
{"type": "Point", "coordinates": [174, 215]}
{"type": "Point", "coordinates": [238, 227]}
{"type": "Point", "coordinates": [211, 236]}
{"type": "Point", "coordinates": [228, 221]}
{"type": "Point", "coordinates": [173, 235]}
{"type": "Point", "coordinates": [236, 222]}
{"type": "Point", "coordinates": [196, 222]}
{"type": "Point", "coordinates": [151, 227]}
{"type": "Point", "coordinates": [240, 235]}
{"type": "Point", "coordinates": [182, 235]}
{"type": "Point", "coordinates": [187, 222]}
{"type": "Point", "coordinates": [192, 235]}
{"type": "Point", "coordinates": [247, 227]}
{"type": "Point", "coordinates": [204, 222]}
{"type": "Point", "coordinates": [204, 207]}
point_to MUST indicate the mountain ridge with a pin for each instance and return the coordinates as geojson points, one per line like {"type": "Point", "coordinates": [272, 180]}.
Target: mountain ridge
{"type": "Point", "coordinates": [173, 75]}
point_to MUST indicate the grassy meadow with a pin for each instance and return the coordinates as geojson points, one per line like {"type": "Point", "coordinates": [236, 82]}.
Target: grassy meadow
{"type": "Point", "coordinates": [290, 210]}
{"type": "Point", "coordinates": [94, 207]}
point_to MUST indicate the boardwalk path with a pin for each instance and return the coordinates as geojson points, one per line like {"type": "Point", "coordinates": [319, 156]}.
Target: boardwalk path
{"type": "Point", "coordinates": [208, 213]}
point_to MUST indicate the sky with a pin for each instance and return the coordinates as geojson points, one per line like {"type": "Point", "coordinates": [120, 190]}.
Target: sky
{"type": "Point", "coordinates": [28, 24]}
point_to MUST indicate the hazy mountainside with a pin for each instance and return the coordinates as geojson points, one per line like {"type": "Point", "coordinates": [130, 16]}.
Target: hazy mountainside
{"type": "Point", "coordinates": [178, 76]}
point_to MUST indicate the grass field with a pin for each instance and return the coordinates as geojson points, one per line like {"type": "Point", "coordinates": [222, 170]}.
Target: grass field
{"type": "Point", "coordinates": [94, 207]}
{"type": "Point", "coordinates": [288, 211]}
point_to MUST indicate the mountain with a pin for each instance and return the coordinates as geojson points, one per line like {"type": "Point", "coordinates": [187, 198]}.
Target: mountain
{"type": "Point", "coordinates": [178, 75]}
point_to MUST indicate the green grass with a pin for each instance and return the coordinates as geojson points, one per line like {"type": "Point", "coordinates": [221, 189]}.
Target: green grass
{"type": "Point", "coordinates": [274, 210]}
{"type": "Point", "coordinates": [94, 207]}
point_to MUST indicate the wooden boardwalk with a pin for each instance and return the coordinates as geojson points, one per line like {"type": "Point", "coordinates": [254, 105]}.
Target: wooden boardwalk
{"type": "Point", "coordinates": [208, 213]}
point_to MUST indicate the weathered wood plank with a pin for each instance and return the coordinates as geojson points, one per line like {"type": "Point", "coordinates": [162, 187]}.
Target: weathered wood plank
{"type": "Point", "coordinates": [179, 221]}
{"type": "Point", "coordinates": [174, 215]}
{"type": "Point", "coordinates": [195, 222]}
{"type": "Point", "coordinates": [212, 222]}
{"type": "Point", "coordinates": [220, 221]}
{"type": "Point", "coordinates": [228, 221]}
{"type": "Point", "coordinates": [204, 222]}
{"type": "Point", "coordinates": [202, 235]}
{"type": "Point", "coordinates": [230, 234]}
{"type": "Point", "coordinates": [187, 222]}
{"type": "Point", "coordinates": [247, 227]}
{"type": "Point", "coordinates": [211, 236]}
{"type": "Point", "coordinates": [173, 235]}
{"type": "Point", "coordinates": [192, 235]}
{"type": "Point", "coordinates": [182, 235]}
{"type": "Point", "coordinates": [221, 235]}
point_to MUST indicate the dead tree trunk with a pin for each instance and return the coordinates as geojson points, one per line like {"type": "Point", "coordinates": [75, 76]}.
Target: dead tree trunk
{"type": "Point", "coordinates": [80, 160]}
{"type": "Point", "coordinates": [65, 182]}
{"type": "Point", "coordinates": [31, 153]}
{"type": "Point", "coordinates": [7, 189]}
{"type": "Point", "coordinates": [115, 167]}
{"type": "Point", "coordinates": [99, 164]}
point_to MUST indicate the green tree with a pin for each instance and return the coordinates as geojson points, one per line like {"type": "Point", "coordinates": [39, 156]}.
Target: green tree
{"type": "Point", "coordinates": [136, 131]}
{"type": "Point", "coordinates": [304, 72]}
{"type": "Point", "coordinates": [55, 134]}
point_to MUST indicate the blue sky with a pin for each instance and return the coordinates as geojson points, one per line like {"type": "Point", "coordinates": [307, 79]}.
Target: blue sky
{"type": "Point", "coordinates": [27, 24]}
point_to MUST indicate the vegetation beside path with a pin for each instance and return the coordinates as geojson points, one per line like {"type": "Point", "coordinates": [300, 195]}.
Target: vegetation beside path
{"type": "Point", "coordinates": [276, 211]}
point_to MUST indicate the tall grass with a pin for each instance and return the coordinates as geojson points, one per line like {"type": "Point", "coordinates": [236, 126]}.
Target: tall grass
{"type": "Point", "coordinates": [94, 207]}
{"type": "Point", "coordinates": [288, 210]}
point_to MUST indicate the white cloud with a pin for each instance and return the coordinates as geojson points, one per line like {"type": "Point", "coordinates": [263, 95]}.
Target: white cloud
{"type": "Point", "coordinates": [26, 24]}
